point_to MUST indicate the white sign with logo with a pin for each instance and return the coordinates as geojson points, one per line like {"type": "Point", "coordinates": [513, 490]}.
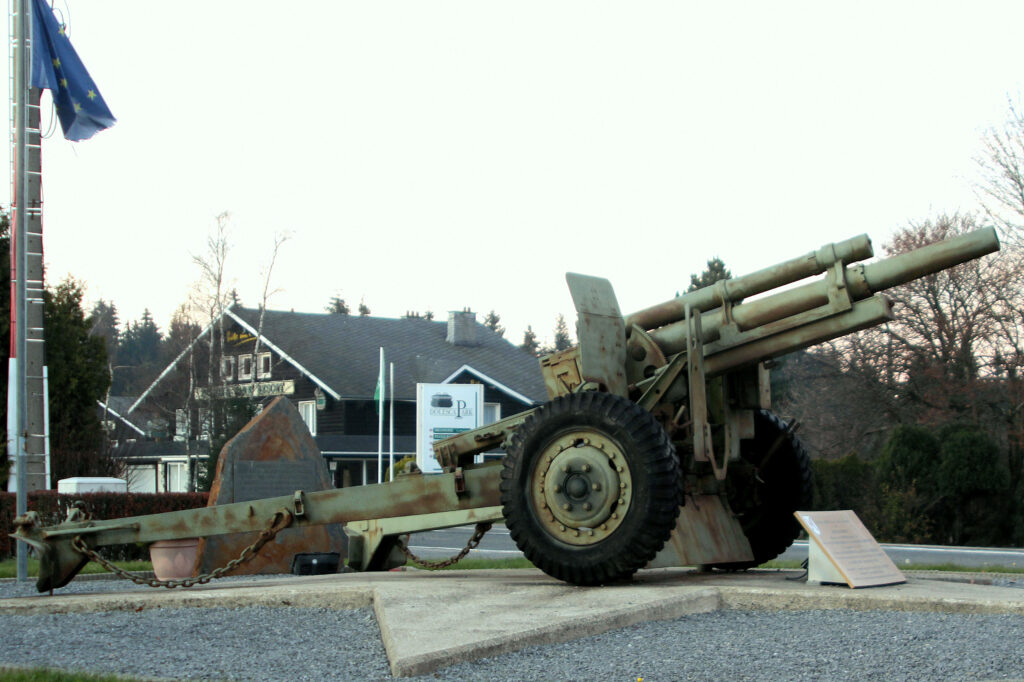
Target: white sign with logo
{"type": "Point", "coordinates": [442, 411]}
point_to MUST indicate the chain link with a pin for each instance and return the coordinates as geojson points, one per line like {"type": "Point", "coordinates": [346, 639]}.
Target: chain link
{"type": "Point", "coordinates": [281, 520]}
{"type": "Point", "coordinates": [478, 535]}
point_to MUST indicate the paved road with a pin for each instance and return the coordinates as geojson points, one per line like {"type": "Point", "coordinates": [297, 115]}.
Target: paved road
{"type": "Point", "coordinates": [498, 545]}
{"type": "Point", "coordinates": [970, 557]}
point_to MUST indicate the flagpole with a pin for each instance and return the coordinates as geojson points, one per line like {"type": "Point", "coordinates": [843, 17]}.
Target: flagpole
{"type": "Point", "coordinates": [391, 424]}
{"type": "Point", "coordinates": [22, 66]}
{"type": "Point", "coordinates": [380, 419]}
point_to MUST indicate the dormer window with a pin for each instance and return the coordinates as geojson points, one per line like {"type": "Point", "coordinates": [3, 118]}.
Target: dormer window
{"type": "Point", "coordinates": [263, 366]}
{"type": "Point", "coordinates": [227, 369]}
{"type": "Point", "coordinates": [244, 367]}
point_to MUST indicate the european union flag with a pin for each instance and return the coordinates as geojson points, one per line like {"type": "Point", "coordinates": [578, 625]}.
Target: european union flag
{"type": "Point", "coordinates": [57, 68]}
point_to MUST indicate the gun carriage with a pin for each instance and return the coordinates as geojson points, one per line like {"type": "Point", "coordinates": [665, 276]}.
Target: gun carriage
{"type": "Point", "coordinates": [657, 447]}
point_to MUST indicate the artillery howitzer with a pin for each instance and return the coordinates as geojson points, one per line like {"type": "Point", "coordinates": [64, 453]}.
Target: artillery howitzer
{"type": "Point", "coordinates": [657, 446]}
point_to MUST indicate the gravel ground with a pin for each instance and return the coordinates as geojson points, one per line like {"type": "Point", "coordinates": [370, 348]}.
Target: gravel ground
{"type": "Point", "coordinates": [314, 644]}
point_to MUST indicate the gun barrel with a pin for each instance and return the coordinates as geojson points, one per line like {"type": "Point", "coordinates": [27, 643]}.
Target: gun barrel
{"type": "Point", "coordinates": [735, 289]}
{"type": "Point", "coordinates": [862, 281]}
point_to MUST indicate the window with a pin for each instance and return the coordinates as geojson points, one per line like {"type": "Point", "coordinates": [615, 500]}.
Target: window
{"type": "Point", "coordinates": [244, 367]}
{"type": "Point", "coordinates": [227, 369]}
{"type": "Point", "coordinates": [176, 477]}
{"type": "Point", "coordinates": [307, 408]}
{"type": "Point", "coordinates": [180, 425]}
{"type": "Point", "coordinates": [263, 366]}
{"type": "Point", "coordinates": [492, 413]}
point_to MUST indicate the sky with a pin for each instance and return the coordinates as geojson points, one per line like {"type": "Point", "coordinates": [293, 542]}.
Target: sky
{"type": "Point", "coordinates": [443, 155]}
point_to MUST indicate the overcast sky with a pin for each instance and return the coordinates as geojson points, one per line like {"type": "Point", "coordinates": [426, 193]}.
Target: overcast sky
{"type": "Point", "coordinates": [442, 155]}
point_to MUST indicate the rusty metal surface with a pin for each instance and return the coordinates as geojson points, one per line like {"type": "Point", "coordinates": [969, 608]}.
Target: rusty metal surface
{"type": "Point", "coordinates": [703, 448]}
{"type": "Point", "coordinates": [561, 372]}
{"type": "Point", "coordinates": [278, 437]}
{"type": "Point", "coordinates": [600, 332]}
{"type": "Point", "coordinates": [706, 533]}
{"type": "Point", "coordinates": [459, 449]}
{"type": "Point", "coordinates": [406, 496]}
{"type": "Point", "coordinates": [643, 356]}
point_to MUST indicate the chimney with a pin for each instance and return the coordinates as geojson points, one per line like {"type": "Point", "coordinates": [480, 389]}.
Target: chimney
{"type": "Point", "coordinates": [461, 328]}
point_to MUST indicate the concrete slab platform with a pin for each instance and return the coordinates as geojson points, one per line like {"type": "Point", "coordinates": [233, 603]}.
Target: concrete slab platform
{"type": "Point", "coordinates": [432, 620]}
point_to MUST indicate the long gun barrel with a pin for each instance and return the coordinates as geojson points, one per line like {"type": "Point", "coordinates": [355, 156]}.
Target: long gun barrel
{"type": "Point", "coordinates": [738, 288]}
{"type": "Point", "coordinates": [861, 281]}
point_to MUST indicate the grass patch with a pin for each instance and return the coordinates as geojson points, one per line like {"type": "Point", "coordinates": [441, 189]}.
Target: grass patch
{"type": "Point", "coordinates": [44, 675]}
{"type": "Point", "coordinates": [471, 564]}
{"type": "Point", "coordinates": [9, 568]}
{"type": "Point", "coordinates": [782, 564]}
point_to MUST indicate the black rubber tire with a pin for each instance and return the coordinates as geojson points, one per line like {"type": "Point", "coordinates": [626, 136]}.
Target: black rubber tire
{"type": "Point", "coordinates": [764, 498]}
{"type": "Point", "coordinates": [653, 470]}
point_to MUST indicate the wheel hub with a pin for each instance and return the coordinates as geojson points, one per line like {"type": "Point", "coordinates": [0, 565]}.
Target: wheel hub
{"type": "Point", "coordinates": [581, 487]}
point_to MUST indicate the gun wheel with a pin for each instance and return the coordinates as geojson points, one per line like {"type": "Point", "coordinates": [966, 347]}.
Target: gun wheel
{"type": "Point", "coordinates": [764, 494]}
{"type": "Point", "coordinates": [590, 488]}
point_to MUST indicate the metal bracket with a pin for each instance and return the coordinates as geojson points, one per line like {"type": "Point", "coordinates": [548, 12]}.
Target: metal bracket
{"type": "Point", "coordinates": [838, 293]}
{"type": "Point", "coordinates": [728, 328]}
{"type": "Point", "coordinates": [460, 482]}
{"type": "Point", "coordinates": [703, 446]}
{"type": "Point", "coordinates": [298, 505]}
{"type": "Point", "coordinates": [662, 382]}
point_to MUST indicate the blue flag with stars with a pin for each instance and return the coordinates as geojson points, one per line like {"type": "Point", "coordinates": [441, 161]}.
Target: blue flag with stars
{"type": "Point", "coordinates": [57, 68]}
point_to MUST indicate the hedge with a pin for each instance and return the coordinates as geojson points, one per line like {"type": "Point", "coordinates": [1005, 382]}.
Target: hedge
{"type": "Point", "coordinates": [52, 507]}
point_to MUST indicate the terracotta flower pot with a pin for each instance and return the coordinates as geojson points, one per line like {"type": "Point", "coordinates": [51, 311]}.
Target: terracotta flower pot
{"type": "Point", "coordinates": [173, 559]}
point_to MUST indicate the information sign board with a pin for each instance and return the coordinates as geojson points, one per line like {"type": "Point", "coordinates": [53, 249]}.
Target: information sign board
{"type": "Point", "coordinates": [442, 411]}
{"type": "Point", "coordinates": [841, 550]}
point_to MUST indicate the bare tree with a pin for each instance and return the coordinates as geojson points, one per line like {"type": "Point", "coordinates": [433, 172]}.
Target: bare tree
{"type": "Point", "coordinates": [957, 332]}
{"type": "Point", "coordinates": [279, 239]}
{"type": "Point", "coordinates": [1002, 168]}
{"type": "Point", "coordinates": [211, 294]}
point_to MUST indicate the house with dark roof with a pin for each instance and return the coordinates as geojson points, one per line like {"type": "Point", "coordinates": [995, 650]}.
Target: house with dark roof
{"type": "Point", "coordinates": [328, 366]}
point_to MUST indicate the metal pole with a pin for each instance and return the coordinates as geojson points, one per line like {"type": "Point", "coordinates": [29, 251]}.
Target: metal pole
{"type": "Point", "coordinates": [22, 73]}
{"type": "Point", "coordinates": [380, 419]}
{"type": "Point", "coordinates": [391, 425]}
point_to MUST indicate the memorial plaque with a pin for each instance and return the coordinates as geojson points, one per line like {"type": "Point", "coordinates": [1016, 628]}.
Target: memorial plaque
{"type": "Point", "coordinates": [273, 455]}
{"type": "Point", "coordinates": [841, 550]}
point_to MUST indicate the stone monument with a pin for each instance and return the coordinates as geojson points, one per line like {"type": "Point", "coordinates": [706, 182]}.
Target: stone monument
{"type": "Point", "coordinates": [273, 455]}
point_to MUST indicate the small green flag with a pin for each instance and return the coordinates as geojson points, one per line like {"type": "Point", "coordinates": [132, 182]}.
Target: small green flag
{"type": "Point", "coordinates": [378, 394]}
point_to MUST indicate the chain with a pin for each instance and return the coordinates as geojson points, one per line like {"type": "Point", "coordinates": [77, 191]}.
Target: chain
{"type": "Point", "coordinates": [478, 535]}
{"type": "Point", "coordinates": [281, 520]}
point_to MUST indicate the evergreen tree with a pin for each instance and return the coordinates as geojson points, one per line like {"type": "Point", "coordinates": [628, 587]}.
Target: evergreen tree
{"type": "Point", "coordinates": [337, 306]}
{"type": "Point", "coordinates": [78, 377]}
{"type": "Point", "coordinates": [492, 322]}
{"type": "Point", "coordinates": [429, 315]}
{"type": "Point", "coordinates": [140, 348]}
{"type": "Point", "coordinates": [529, 343]}
{"type": "Point", "coordinates": [140, 343]}
{"type": "Point", "coordinates": [715, 271]}
{"type": "Point", "coordinates": [562, 338]}
{"type": "Point", "coordinates": [181, 332]}
{"type": "Point", "coordinates": [363, 309]}
{"type": "Point", "coordinates": [105, 324]}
